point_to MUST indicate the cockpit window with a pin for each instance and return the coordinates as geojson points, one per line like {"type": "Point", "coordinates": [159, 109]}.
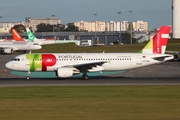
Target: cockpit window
{"type": "Point", "coordinates": [15, 59]}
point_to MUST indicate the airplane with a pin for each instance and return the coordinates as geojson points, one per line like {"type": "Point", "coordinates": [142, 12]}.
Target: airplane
{"type": "Point", "coordinates": [68, 64]}
{"type": "Point", "coordinates": [17, 44]}
{"type": "Point", "coordinates": [16, 37]}
{"type": "Point", "coordinates": [31, 37]}
{"type": "Point", "coordinates": [10, 47]}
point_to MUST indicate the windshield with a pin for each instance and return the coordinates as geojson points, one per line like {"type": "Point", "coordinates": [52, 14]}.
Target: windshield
{"type": "Point", "coordinates": [15, 59]}
{"type": "Point", "coordinates": [35, 44]}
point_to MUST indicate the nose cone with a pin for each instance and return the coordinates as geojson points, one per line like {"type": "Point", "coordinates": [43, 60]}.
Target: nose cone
{"type": "Point", "coordinates": [39, 47]}
{"type": "Point", "coordinates": [9, 65]}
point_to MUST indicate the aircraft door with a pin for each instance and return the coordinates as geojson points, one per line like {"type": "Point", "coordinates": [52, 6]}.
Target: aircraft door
{"type": "Point", "coordinates": [139, 60]}
{"type": "Point", "coordinates": [27, 62]}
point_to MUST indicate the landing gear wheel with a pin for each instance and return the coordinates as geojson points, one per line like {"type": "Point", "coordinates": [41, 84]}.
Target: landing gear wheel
{"type": "Point", "coordinates": [85, 77]}
{"type": "Point", "coordinates": [28, 77]}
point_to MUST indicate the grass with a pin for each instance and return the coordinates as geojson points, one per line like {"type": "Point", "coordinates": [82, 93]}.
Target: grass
{"type": "Point", "coordinates": [70, 47]}
{"type": "Point", "coordinates": [173, 45]}
{"type": "Point", "coordinates": [90, 102]}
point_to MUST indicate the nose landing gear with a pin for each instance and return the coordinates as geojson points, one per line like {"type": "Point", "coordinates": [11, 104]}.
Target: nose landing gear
{"type": "Point", "coordinates": [28, 75]}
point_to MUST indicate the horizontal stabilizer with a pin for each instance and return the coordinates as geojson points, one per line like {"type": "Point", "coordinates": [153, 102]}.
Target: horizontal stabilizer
{"type": "Point", "coordinates": [161, 58]}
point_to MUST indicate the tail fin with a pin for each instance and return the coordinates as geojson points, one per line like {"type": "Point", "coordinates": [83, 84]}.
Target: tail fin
{"type": "Point", "coordinates": [157, 44]}
{"type": "Point", "coordinates": [31, 36]}
{"type": "Point", "coordinates": [16, 35]}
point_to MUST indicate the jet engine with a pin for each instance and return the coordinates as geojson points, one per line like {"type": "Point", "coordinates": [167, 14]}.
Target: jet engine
{"type": "Point", "coordinates": [64, 72]}
{"type": "Point", "coordinates": [7, 50]}
{"type": "Point", "coordinates": [176, 56]}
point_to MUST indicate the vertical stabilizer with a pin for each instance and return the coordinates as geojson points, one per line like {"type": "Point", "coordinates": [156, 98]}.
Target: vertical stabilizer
{"type": "Point", "coordinates": [158, 43]}
{"type": "Point", "coordinates": [31, 36]}
{"type": "Point", "coordinates": [16, 35]}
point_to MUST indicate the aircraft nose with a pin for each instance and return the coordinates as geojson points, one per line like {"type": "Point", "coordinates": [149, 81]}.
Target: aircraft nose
{"type": "Point", "coordinates": [39, 47]}
{"type": "Point", "coordinates": [9, 65]}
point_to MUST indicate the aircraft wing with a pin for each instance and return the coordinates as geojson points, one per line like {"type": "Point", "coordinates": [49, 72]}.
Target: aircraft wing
{"type": "Point", "coordinates": [84, 67]}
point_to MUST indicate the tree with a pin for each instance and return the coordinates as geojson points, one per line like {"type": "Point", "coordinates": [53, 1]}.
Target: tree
{"type": "Point", "coordinates": [57, 28]}
{"type": "Point", "coordinates": [72, 28]}
{"type": "Point", "coordinates": [19, 28]}
{"type": "Point", "coordinates": [44, 27]}
{"type": "Point", "coordinates": [60, 27]}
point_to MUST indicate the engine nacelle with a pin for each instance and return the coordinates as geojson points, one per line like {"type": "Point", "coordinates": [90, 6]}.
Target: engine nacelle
{"type": "Point", "coordinates": [8, 50]}
{"type": "Point", "coordinates": [64, 72]}
{"type": "Point", "coordinates": [176, 56]}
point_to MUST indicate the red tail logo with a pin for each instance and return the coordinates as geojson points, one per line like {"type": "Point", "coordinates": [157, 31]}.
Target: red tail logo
{"type": "Point", "coordinates": [16, 36]}
{"type": "Point", "coordinates": [160, 40]}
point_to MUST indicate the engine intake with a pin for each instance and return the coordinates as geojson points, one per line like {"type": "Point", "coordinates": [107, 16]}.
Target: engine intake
{"type": "Point", "coordinates": [176, 56]}
{"type": "Point", "coordinates": [64, 72]}
{"type": "Point", "coordinates": [8, 50]}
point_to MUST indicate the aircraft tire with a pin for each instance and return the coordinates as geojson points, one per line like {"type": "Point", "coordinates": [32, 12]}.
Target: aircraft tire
{"type": "Point", "coordinates": [28, 77]}
{"type": "Point", "coordinates": [86, 77]}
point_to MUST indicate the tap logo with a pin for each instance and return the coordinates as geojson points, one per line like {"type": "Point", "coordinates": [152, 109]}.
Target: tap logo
{"type": "Point", "coordinates": [48, 60]}
{"type": "Point", "coordinates": [157, 43]}
{"type": "Point", "coordinates": [160, 40]}
{"type": "Point", "coordinates": [41, 62]}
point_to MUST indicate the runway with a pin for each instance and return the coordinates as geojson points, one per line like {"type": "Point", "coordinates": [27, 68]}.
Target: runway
{"type": "Point", "coordinates": [167, 73]}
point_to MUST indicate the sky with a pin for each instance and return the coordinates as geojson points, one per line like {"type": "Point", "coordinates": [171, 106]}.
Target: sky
{"type": "Point", "coordinates": [155, 12]}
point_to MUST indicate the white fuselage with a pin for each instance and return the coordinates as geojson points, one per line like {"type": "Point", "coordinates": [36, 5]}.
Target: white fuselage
{"type": "Point", "coordinates": [22, 45]}
{"type": "Point", "coordinates": [111, 61]}
{"type": "Point", "coordinates": [47, 42]}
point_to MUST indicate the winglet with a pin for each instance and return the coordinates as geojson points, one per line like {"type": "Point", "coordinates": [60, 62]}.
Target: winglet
{"type": "Point", "coordinates": [31, 36]}
{"type": "Point", "coordinates": [16, 35]}
{"type": "Point", "coordinates": [158, 43]}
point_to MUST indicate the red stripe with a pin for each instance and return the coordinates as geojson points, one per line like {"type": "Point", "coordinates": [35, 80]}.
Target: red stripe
{"type": "Point", "coordinates": [158, 41]}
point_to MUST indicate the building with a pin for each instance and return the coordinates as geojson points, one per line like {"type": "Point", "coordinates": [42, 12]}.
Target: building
{"type": "Point", "coordinates": [33, 22]}
{"type": "Point", "coordinates": [94, 26]}
{"type": "Point", "coordinates": [124, 25]}
{"type": "Point", "coordinates": [111, 26]}
{"type": "Point", "coordinates": [141, 26]}
{"type": "Point", "coordinates": [5, 27]}
{"type": "Point", "coordinates": [90, 26]}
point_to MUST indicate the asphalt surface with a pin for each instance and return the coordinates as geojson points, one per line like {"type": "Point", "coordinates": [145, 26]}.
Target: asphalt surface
{"type": "Point", "coordinates": [167, 73]}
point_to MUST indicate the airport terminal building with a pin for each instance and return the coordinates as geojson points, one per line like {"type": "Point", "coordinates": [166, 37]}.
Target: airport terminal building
{"type": "Point", "coordinates": [96, 31]}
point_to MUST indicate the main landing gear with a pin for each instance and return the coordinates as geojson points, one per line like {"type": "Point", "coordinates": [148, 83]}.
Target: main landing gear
{"type": "Point", "coordinates": [85, 76]}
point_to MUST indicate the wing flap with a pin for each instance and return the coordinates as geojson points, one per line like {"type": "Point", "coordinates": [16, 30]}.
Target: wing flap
{"type": "Point", "coordinates": [84, 67]}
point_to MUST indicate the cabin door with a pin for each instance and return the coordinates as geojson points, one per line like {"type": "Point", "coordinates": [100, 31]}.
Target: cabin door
{"type": "Point", "coordinates": [139, 60]}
